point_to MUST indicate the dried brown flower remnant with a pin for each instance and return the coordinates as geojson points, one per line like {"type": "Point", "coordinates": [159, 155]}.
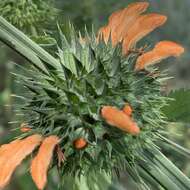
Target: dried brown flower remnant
{"type": "Point", "coordinates": [60, 156]}
{"type": "Point", "coordinates": [119, 119]}
{"type": "Point", "coordinates": [162, 50]}
{"type": "Point", "coordinates": [80, 143]}
{"type": "Point", "coordinates": [41, 162]}
{"type": "Point", "coordinates": [13, 154]}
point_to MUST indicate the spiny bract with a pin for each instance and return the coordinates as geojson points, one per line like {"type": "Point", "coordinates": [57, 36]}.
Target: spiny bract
{"type": "Point", "coordinates": [83, 98]}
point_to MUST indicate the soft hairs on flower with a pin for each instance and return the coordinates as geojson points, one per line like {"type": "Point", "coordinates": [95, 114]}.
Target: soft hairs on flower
{"type": "Point", "coordinates": [41, 162]}
{"type": "Point", "coordinates": [13, 154]}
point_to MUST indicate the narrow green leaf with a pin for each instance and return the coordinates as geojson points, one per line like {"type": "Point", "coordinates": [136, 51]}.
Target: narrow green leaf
{"type": "Point", "coordinates": [158, 175]}
{"type": "Point", "coordinates": [79, 67]}
{"type": "Point", "coordinates": [116, 61]}
{"type": "Point", "coordinates": [18, 41]}
{"type": "Point", "coordinates": [181, 150]}
{"type": "Point", "coordinates": [149, 179]}
{"type": "Point", "coordinates": [163, 170]}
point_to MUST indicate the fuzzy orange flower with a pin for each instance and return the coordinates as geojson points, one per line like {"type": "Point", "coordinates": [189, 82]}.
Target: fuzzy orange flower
{"type": "Point", "coordinates": [130, 26]}
{"type": "Point", "coordinates": [162, 50]}
{"type": "Point", "coordinates": [120, 22]}
{"type": "Point", "coordinates": [127, 17]}
{"type": "Point", "coordinates": [142, 26]}
{"type": "Point", "coordinates": [119, 119]}
{"type": "Point", "coordinates": [41, 162]}
{"type": "Point", "coordinates": [13, 154]}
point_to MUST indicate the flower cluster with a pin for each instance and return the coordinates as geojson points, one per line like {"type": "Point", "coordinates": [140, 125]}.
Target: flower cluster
{"type": "Point", "coordinates": [100, 107]}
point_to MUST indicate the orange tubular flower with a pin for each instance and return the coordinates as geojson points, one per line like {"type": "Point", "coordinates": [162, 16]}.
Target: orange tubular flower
{"type": "Point", "coordinates": [142, 26]}
{"type": "Point", "coordinates": [11, 155]}
{"type": "Point", "coordinates": [127, 110]}
{"type": "Point", "coordinates": [80, 143]}
{"type": "Point", "coordinates": [119, 119]}
{"type": "Point", "coordinates": [130, 26]}
{"type": "Point", "coordinates": [127, 17]}
{"type": "Point", "coordinates": [120, 22]}
{"type": "Point", "coordinates": [162, 50]}
{"type": "Point", "coordinates": [41, 162]}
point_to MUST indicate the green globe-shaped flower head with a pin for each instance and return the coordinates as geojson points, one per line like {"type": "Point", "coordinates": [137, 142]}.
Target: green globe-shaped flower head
{"type": "Point", "coordinates": [98, 104]}
{"type": "Point", "coordinates": [28, 15]}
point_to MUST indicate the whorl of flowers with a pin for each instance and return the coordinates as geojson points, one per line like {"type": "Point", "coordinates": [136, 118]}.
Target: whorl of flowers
{"type": "Point", "coordinates": [28, 15]}
{"type": "Point", "coordinates": [100, 108]}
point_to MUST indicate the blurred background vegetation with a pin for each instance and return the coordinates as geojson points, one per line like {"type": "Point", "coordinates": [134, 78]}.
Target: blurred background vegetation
{"type": "Point", "coordinates": [39, 18]}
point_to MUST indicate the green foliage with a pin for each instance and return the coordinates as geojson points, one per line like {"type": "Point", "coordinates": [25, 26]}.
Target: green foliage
{"type": "Point", "coordinates": [25, 46]}
{"type": "Point", "coordinates": [177, 140]}
{"type": "Point", "coordinates": [94, 181]}
{"type": "Point", "coordinates": [28, 15]}
{"type": "Point", "coordinates": [179, 149]}
{"type": "Point", "coordinates": [178, 109]}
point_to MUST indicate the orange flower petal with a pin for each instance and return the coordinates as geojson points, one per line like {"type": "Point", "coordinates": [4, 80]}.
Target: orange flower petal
{"type": "Point", "coordinates": [80, 143]}
{"type": "Point", "coordinates": [41, 162]}
{"type": "Point", "coordinates": [142, 26]}
{"type": "Point", "coordinates": [162, 50]}
{"type": "Point", "coordinates": [13, 154]}
{"type": "Point", "coordinates": [119, 119]}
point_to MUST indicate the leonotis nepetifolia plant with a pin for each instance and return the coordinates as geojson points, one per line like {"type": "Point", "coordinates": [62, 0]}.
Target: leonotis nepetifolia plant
{"type": "Point", "coordinates": [97, 105]}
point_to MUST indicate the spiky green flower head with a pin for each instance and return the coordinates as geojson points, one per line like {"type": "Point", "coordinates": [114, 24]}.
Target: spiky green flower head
{"type": "Point", "coordinates": [28, 15]}
{"type": "Point", "coordinates": [94, 72]}
{"type": "Point", "coordinates": [82, 98]}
